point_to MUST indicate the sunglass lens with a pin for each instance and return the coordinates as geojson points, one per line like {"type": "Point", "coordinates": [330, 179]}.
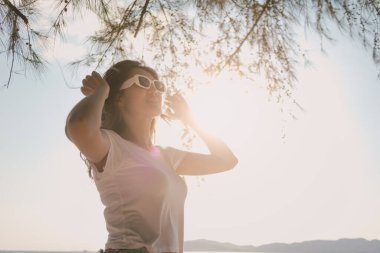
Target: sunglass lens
{"type": "Point", "coordinates": [160, 86]}
{"type": "Point", "coordinates": [145, 82]}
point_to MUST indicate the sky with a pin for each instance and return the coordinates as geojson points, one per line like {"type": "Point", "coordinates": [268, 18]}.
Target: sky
{"type": "Point", "coordinates": [313, 177]}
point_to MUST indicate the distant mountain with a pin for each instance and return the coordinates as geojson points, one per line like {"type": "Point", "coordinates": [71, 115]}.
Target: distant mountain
{"type": "Point", "coordinates": [207, 245]}
{"type": "Point", "coordinates": [317, 246]}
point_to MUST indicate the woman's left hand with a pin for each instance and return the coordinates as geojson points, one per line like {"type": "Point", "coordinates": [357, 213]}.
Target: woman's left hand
{"type": "Point", "coordinates": [178, 109]}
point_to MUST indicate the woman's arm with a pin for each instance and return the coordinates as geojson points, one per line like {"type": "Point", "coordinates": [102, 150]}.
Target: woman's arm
{"type": "Point", "coordinates": [84, 121]}
{"type": "Point", "coordinates": [220, 158]}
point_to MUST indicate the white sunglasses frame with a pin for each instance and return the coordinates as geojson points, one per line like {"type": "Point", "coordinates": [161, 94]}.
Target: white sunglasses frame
{"type": "Point", "coordinates": [135, 80]}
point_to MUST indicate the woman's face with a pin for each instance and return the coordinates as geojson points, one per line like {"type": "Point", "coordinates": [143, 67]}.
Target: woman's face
{"type": "Point", "coordinates": [139, 101]}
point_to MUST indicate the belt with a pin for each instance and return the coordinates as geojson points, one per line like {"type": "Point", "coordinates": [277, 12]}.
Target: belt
{"type": "Point", "coordinates": [139, 250]}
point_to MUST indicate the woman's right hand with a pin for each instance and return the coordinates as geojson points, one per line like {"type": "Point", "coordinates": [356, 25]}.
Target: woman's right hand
{"type": "Point", "coordinates": [93, 82]}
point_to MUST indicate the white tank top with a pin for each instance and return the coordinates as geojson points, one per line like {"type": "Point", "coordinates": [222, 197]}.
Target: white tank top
{"type": "Point", "coordinates": [143, 196]}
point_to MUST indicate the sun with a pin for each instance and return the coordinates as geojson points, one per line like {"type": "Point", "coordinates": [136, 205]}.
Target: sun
{"type": "Point", "coordinates": [225, 106]}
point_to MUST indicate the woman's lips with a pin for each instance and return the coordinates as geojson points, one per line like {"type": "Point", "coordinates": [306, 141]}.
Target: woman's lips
{"type": "Point", "coordinates": [154, 101]}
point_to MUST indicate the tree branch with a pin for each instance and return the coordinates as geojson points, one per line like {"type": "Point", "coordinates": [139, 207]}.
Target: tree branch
{"type": "Point", "coordinates": [126, 14]}
{"type": "Point", "coordinates": [11, 70]}
{"type": "Point", "coordinates": [17, 11]}
{"type": "Point", "coordinates": [265, 7]}
{"type": "Point", "coordinates": [56, 24]}
{"type": "Point", "coordinates": [141, 17]}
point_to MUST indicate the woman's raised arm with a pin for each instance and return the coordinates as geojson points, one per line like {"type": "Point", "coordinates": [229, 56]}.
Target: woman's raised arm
{"type": "Point", "coordinates": [220, 158]}
{"type": "Point", "coordinates": [84, 121]}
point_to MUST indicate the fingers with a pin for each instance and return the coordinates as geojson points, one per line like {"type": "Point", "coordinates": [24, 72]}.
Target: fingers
{"type": "Point", "coordinates": [99, 78]}
{"type": "Point", "coordinates": [94, 78]}
{"type": "Point", "coordinates": [177, 108]}
{"type": "Point", "coordinates": [177, 102]}
{"type": "Point", "coordinates": [176, 98]}
{"type": "Point", "coordinates": [96, 75]}
{"type": "Point", "coordinates": [170, 114]}
{"type": "Point", "coordinates": [174, 109]}
{"type": "Point", "coordinates": [92, 82]}
{"type": "Point", "coordinates": [86, 90]}
{"type": "Point", "coordinates": [89, 82]}
{"type": "Point", "coordinates": [173, 106]}
{"type": "Point", "coordinates": [169, 102]}
{"type": "Point", "coordinates": [176, 95]}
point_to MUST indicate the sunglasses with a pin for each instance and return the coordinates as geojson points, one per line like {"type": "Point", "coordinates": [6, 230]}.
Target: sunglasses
{"type": "Point", "coordinates": [143, 82]}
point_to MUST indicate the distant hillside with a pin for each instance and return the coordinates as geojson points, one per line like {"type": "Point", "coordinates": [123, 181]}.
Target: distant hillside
{"type": "Point", "coordinates": [317, 246]}
{"type": "Point", "coordinates": [207, 245]}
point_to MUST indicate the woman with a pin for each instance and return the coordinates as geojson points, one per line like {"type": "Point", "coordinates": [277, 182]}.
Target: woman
{"type": "Point", "coordinates": [138, 183]}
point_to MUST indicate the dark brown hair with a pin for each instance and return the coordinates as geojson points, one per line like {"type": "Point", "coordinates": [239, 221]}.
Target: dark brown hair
{"type": "Point", "coordinates": [115, 76]}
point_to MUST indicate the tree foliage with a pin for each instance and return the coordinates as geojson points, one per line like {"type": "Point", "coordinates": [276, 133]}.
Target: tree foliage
{"type": "Point", "coordinates": [248, 37]}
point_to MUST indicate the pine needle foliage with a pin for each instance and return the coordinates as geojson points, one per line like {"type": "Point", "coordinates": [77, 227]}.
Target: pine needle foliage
{"type": "Point", "coordinates": [248, 37]}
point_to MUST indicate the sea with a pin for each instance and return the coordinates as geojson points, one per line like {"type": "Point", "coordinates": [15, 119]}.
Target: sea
{"type": "Point", "coordinates": [85, 251]}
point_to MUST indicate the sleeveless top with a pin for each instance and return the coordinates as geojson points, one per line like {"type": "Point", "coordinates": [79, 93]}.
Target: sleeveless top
{"type": "Point", "coordinates": [143, 196]}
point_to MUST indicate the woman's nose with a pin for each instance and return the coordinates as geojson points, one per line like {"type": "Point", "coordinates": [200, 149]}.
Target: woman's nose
{"type": "Point", "coordinates": [153, 89]}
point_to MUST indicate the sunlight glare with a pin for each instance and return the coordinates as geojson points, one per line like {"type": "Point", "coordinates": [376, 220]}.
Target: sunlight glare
{"type": "Point", "coordinates": [211, 105]}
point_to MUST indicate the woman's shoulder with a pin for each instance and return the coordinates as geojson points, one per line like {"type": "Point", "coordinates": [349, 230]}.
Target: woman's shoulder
{"type": "Point", "coordinates": [111, 134]}
{"type": "Point", "coordinates": [173, 156]}
{"type": "Point", "coordinates": [114, 138]}
{"type": "Point", "coordinates": [108, 131]}
{"type": "Point", "coordinates": [169, 148]}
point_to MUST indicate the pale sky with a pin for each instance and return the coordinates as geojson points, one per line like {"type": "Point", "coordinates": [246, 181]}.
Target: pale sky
{"type": "Point", "coordinates": [319, 182]}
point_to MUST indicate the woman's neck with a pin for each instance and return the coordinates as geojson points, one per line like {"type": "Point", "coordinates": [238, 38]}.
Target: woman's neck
{"type": "Point", "coordinates": [138, 131]}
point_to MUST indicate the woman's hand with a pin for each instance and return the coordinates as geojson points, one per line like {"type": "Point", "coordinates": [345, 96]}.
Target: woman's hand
{"type": "Point", "coordinates": [178, 109]}
{"type": "Point", "coordinates": [93, 82]}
